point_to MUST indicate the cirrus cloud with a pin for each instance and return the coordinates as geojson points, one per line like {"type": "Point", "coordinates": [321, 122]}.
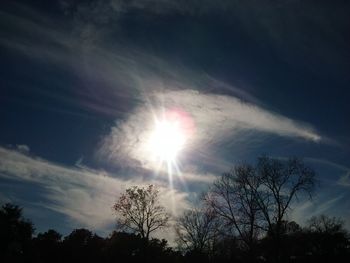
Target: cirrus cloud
{"type": "Point", "coordinates": [217, 119]}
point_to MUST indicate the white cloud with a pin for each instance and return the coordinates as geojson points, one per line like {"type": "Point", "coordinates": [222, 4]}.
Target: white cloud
{"type": "Point", "coordinates": [23, 148]}
{"type": "Point", "coordinates": [216, 119]}
{"type": "Point", "coordinates": [320, 205]}
{"type": "Point", "coordinates": [345, 180]}
{"type": "Point", "coordinates": [85, 195]}
{"type": "Point", "coordinates": [342, 172]}
{"type": "Point", "coordinates": [329, 199]}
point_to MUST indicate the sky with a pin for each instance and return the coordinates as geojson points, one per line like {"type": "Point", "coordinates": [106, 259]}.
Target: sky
{"type": "Point", "coordinates": [86, 86]}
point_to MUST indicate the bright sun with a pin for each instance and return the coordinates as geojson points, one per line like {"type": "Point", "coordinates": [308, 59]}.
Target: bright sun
{"type": "Point", "coordinates": [167, 140]}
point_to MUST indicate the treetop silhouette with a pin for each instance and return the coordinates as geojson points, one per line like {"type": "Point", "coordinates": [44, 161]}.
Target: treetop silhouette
{"type": "Point", "coordinates": [139, 211]}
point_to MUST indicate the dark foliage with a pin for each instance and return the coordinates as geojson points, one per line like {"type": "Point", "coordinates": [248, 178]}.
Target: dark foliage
{"type": "Point", "coordinates": [324, 239]}
{"type": "Point", "coordinates": [15, 234]}
{"type": "Point", "coordinates": [47, 246]}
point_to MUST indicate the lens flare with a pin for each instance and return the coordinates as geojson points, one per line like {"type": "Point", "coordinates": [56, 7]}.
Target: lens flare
{"type": "Point", "coordinates": [171, 133]}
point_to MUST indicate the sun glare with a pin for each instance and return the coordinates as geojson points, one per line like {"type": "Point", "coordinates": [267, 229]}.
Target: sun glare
{"type": "Point", "coordinates": [172, 131]}
{"type": "Point", "coordinates": [167, 140]}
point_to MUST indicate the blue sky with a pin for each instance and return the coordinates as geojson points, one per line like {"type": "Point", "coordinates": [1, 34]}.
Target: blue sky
{"type": "Point", "coordinates": [83, 81]}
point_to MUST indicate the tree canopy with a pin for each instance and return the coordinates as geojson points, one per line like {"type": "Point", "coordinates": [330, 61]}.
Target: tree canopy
{"type": "Point", "coordinates": [139, 210]}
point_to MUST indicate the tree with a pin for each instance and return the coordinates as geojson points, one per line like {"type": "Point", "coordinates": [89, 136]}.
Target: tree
{"type": "Point", "coordinates": [325, 224]}
{"type": "Point", "coordinates": [82, 245]}
{"type": "Point", "coordinates": [254, 198]}
{"type": "Point", "coordinates": [78, 238]}
{"type": "Point", "coordinates": [233, 200]}
{"type": "Point", "coordinates": [15, 232]}
{"type": "Point", "coordinates": [139, 210]}
{"type": "Point", "coordinates": [128, 247]}
{"type": "Point", "coordinates": [48, 246]}
{"type": "Point", "coordinates": [50, 236]}
{"type": "Point", "coordinates": [196, 230]}
{"type": "Point", "coordinates": [328, 240]}
{"type": "Point", "coordinates": [280, 183]}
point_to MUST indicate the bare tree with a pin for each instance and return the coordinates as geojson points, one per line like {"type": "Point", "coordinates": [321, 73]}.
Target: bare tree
{"type": "Point", "coordinates": [255, 198]}
{"type": "Point", "coordinates": [196, 230]}
{"type": "Point", "coordinates": [328, 239]}
{"type": "Point", "coordinates": [233, 200]}
{"type": "Point", "coordinates": [281, 182]}
{"type": "Point", "coordinates": [138, 210]}
{"type": "Point", "coordinates": [325, 224]}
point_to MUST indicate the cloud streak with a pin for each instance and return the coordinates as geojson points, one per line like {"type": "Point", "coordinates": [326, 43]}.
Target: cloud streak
{"type": "Point", "coordinates": [218, 119]}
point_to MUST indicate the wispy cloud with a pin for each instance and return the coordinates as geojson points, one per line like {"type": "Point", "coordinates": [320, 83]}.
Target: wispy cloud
{"type": "Point", "coordinates": [340, 173]}
{"type": "Point", "coordinates": [257, 19]}
{"type": "Point", "coordinates": [345, 180]}
{"type": "Point", "coordinates": [23, 148]}
{"type": "Point", "coordinates": [218, 119]}
{"type": "Point", "coordinates": [330, 196]}
{"type": "Point", "coordinates": [321, 205]}
{"type": "Point", "coordinates": [331, 202]}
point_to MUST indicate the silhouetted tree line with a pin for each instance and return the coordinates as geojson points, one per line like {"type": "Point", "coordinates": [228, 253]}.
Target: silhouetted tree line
{"type": "Point", "coordinates": [242, 218]}
{"type": "Point", "coordinates": [18, 244]}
